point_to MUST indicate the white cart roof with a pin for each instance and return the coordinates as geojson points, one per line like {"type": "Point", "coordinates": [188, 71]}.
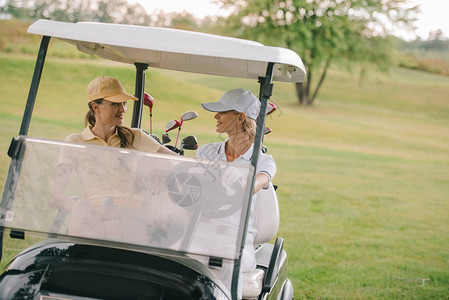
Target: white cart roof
{"type": "Point", "coordinates": [176, 49]}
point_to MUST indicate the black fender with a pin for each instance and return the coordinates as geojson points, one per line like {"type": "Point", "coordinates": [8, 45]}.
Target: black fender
{"type": "Point", "coordinates": [69, 270]}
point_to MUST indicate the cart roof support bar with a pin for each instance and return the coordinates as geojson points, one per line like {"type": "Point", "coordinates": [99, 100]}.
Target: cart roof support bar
{"type": "Point", "coordinates": [34, 86]}
{"type": "Point", "coordinates": [266, 89]}
{"type": "Point", "coordinates": [26, 120]}
{"type": "Point", "coordinates": [139, 93]}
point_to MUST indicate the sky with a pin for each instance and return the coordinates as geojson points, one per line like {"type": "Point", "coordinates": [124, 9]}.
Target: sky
{"type": "Point", "coordinates": [433, 16]}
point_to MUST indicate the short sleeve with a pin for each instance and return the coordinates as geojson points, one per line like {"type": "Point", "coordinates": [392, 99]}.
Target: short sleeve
{"type": "Point", "coordinates": [266, 165]}
{"type": "Point", "coordinates": [200, 152]}
{"type": "Point", "coordinates": [73, 138]}
{"type": "Point", "coordinates": [144, 142]}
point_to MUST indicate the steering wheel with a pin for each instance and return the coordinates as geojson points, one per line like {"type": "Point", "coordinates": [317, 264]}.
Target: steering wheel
{"type": "Point", "coordinates": [204, 192]}
{"type": "Point", "coordinates": [223, 206]}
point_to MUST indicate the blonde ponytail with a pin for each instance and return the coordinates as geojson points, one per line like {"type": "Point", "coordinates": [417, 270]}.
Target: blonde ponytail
{"type": "Point", "coordinates": [249, 127]}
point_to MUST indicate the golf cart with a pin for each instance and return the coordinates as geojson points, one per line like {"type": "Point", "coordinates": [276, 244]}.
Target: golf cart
{"type": "Point", "coordinates": [170, 242]}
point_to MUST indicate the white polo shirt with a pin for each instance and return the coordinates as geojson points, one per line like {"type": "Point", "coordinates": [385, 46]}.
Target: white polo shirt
{"type": "Point", "coordinates": [265, 164]}
{"type": "Point", "coordinates": [216, 151]}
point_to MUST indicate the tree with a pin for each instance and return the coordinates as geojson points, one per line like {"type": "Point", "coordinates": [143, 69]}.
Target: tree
{"type": "Point", "coordinates": [108, 11]}
{"type": "Point", "coordinates": [12, 8]}
{"type": "Point", "coordinates": [323, 32]}
{"type": "Point", "coordinates": [436, 41]}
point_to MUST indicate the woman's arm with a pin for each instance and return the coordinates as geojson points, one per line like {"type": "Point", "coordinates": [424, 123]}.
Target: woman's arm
{"type": "Point", "coordinates": [165, 150]}
{"type": "Point", "coordinates": [262, 180]}
{"type": "Point", "coordinates": [146, 143]}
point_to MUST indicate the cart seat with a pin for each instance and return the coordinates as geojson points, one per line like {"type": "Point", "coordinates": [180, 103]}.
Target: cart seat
{"type": "Point", "coordinates": [266, 215]}
{"type": "Point", "coordinates": [252, 283]}
{"type": "Point", "coordinates": [266, 221]}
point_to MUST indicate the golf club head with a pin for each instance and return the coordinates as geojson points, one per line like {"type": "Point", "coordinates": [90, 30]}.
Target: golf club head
{"type": "Point", "coordinates": [156, 138]}
{"type": "Point", "coordinates": [271, 107]}
{"type": "Point", "coordinates": [165, 138]}
{"type": "Point", "coordinates": [189, 142]}
{"type": "Point", "coordinates": [174, 149]}
{"type": "Point", "coordinates": [264, 149]}
{"type": "Point", "coordinates": [172, 125]}
{"type": "Point", "coordinates": [185, 117]}
{"type": "Point", "coordinates": [266, 130]}
{"type": "Point", "coordinates": [148, 100]}
{"type": "Point", "coordinates": [188, 116]}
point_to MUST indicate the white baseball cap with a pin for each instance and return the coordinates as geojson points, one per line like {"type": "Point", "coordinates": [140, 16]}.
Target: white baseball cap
{"type": "Point", "coordinates": [241, 100]}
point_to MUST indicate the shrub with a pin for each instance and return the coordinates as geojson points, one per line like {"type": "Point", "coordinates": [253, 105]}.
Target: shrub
{"type": "Point", "coordinates": [433, 65]}
{"type": "Point", "coordinates": [408, 61]}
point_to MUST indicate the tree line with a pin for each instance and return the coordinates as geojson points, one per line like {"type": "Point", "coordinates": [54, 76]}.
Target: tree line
{"type": "Point", "coordinates": [435, 42]}
{"type": "Point", "coordinates": [107, 11]}
{"type": "Point", "coordinates": [347, 33]}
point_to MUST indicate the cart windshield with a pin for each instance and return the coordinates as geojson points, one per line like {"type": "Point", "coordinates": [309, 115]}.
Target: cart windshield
{"type": "Point", "coordinates": [132, 199]}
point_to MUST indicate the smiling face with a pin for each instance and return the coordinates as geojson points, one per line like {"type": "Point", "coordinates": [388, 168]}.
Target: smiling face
{"type": "Point", "coordinates": [109, 113]}
{"type": "Point", "coordinates": [228, 122]}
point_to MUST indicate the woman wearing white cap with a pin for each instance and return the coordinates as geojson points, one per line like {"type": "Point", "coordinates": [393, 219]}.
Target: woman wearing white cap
{"type": "Point", "coordinates": [236, 112]}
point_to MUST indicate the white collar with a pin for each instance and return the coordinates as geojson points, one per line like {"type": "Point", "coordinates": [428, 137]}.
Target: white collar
{"type": "Point", "coordinates": [248, 155]}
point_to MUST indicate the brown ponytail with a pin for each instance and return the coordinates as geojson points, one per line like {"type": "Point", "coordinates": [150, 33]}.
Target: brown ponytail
{"type": "Point", "coordinates": [90, 115]}
{"type": "Point", "coordinates": [125, 135]}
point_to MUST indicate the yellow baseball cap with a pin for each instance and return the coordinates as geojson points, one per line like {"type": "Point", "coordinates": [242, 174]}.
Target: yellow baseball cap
{"type": "Point", "coordinates": [108, 88]}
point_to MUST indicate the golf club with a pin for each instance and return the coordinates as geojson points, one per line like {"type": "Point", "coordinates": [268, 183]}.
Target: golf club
{"type": "Point", "coordinates": [149, 101]}
{"type": "Point", "coordinates": [165, 138]}
{"type": "Point", "coordinates": [190, 115]}
{"type": "Point", "coordinates": [271, 107]}
{"type": "Point", "coordinates": [170, 126]}
{"type": "Point", "coordinates": [189, 142]}
{"type": "Point", "coordinates": [264, 149]}
{"type": "Point", "coordinates": [267, 130]}
{"type": "Point", "coordinates": [155, 137]}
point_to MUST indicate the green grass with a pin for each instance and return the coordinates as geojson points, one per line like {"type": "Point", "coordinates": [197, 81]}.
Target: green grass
{"type": "Point", "coordinates": [363, 175]}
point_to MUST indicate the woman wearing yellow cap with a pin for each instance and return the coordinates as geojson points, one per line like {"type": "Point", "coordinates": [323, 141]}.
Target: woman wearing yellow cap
{"type": "Point", "coordinates": [109, 203]}
{"type": "Point", "coordinates": [107, 101]}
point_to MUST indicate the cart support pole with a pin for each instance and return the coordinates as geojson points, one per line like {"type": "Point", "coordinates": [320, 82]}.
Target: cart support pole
{"type": "Point", "coordinates": [34, 86]}
{"type": "Point", "coordinates": [266, 89]}
{"type": "Point", "coordinates": [26, 120]}
{"type": "Point", "coordinates": [139, 93]}
{"type": "Point", "coordinates": [265, 92]}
